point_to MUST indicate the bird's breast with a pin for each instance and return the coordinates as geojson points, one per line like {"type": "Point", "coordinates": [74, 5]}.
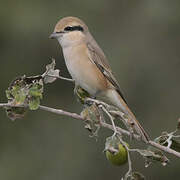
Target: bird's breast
{"type": "Point", "coordinates": [83, 70]}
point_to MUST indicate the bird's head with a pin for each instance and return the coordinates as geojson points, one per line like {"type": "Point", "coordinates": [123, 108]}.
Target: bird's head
{"type": "Point", "coordinates": [69, 30]}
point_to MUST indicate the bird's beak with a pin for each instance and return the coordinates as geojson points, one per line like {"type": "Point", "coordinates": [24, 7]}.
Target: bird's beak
{"type": "Point", "coordinates": [53, 35]}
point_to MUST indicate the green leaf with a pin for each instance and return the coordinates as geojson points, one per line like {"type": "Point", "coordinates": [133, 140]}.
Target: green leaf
{"type": "Point", "coordinates": [20, 97]}
{"type": "Point", "coordinates": [14, 90]}
{"type": "Point", "coordinates": [36, 91]}
{"type": "Point", "coordinates": [16, 94]}
{"type": "Point", "coordinates": [81, 94]}
{"type": "Point", "coordinates": [34, 103]}
{"type": "Point", "coordinates": [24, 91]}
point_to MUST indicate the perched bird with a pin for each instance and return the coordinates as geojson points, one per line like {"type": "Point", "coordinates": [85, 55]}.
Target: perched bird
{"type": "Point", "coordinates": [89, 67]}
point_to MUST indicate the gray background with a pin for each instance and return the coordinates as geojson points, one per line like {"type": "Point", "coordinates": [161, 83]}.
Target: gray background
{"type": "Point", "coordinates": [141, 40]}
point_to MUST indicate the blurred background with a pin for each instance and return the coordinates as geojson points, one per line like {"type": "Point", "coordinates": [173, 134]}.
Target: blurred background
{"type": "Point", "coordinates": [141, 40]}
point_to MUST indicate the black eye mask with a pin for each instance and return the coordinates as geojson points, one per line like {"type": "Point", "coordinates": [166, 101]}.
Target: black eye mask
{"type": "Point", "coordinates": [74, 28]}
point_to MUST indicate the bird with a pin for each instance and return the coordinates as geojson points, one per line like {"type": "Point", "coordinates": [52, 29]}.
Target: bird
{"type": "Point", "coordinates": [89, 67]}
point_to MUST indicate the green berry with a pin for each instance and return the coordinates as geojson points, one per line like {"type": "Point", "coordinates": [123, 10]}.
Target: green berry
{"type": "Point", "coordinates": [118, 158]}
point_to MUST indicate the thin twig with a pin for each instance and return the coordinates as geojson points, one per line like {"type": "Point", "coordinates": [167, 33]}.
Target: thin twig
{"type": "Point", "coordinates": [10, 105]}
{"type": "Point", "coordinates": [98, 102]}
{"type": "Point", "coordinates": [4, 105]}
{"type": "Point", "coordinates": [111, 118]}
{"type": "Point", "coordinates": [61, 77]}
{"type": "Point", "coordinates": [129, 173]}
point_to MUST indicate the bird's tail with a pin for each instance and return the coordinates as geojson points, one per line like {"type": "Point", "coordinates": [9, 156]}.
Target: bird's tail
{"type": "Point", "coordinates": [114, 97]}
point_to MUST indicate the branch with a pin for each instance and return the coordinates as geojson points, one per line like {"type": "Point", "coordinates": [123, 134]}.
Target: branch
{"type": "Point", "coordinates": [165, 149]}
{"type": "Point", "coordinates": [61, 112]}
{"type": "Point", "coordinates": [103, 124]}
{"type": "Point", "coordinates": [61, 77]}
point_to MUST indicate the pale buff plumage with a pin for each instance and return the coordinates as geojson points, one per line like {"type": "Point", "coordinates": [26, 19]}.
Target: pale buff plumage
{"type": "Point", "coordinates": [89, 67]}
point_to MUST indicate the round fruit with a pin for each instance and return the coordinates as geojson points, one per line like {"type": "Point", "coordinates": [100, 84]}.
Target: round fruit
{"type": "Point", "coordinates": [119, 158]}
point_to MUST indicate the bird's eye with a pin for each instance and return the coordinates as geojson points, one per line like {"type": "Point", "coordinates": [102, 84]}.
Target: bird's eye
{"type": "Point", "coordinates": [68, 28]}
{"type": "Point", "coordinates": [73, 28]}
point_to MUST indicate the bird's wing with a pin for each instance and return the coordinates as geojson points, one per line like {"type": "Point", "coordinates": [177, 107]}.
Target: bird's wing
{"type": "Point", "coordinates": [99, 59]}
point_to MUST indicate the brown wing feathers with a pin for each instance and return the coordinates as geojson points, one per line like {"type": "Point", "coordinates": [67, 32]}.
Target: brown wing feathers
{"type": "Point", "coordinates": [103, 66]}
